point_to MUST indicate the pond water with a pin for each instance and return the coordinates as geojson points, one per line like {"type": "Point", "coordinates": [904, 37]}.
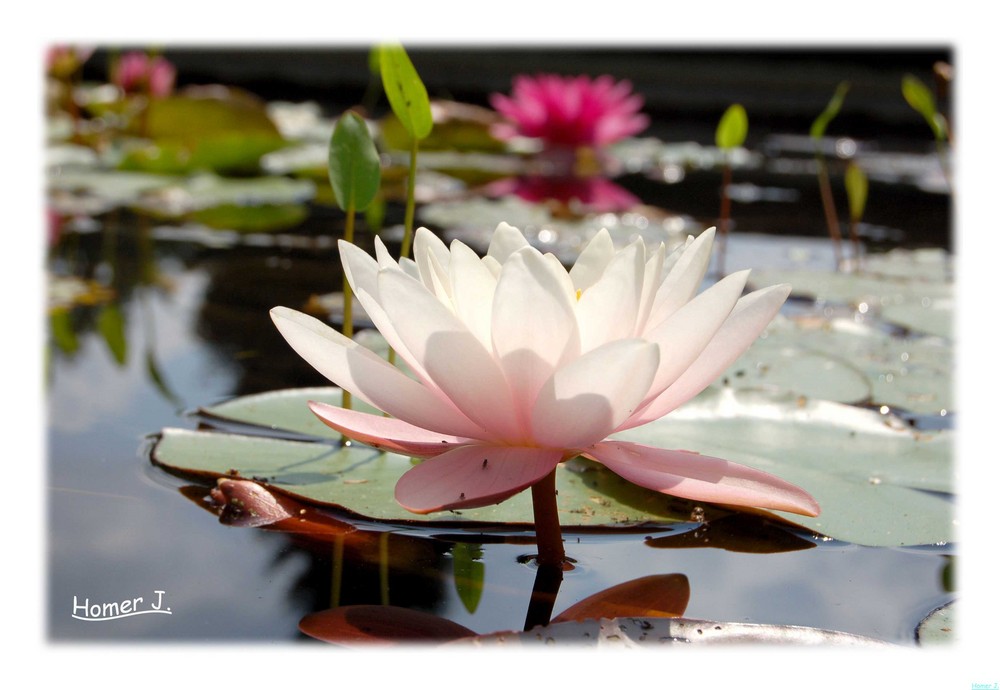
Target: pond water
{"type": "Point", "coordinates": [190, 328]}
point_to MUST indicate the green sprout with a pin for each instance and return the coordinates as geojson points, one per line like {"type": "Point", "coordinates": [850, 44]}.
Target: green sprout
{"type": "Point", "coordinates": [922, 100]}
{"type": "Point", "coordinates": [816, 132]}
{"type": "Point", "coordinates": [729, 135]}
{"type": "Point", "coordinates": [408, 99]}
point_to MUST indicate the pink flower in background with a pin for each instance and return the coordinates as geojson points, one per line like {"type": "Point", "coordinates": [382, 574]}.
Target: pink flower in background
{"type": "Point", "coordinates": [136, 71]}
{"type": "Point", "coordinates": [591, 193]}
{"type": "Point", "coordinates": [570, 111]}
{"type": "Point", "coordinates": [62, 60]}
{"type": "Point", "coordinates": [519, 364]}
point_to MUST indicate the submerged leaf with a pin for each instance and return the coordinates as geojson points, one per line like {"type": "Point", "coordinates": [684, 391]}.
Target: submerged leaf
{"type": "Point", "coordinates": [470, 572]}
{"type": "Point", "coordinates": [111, 326]}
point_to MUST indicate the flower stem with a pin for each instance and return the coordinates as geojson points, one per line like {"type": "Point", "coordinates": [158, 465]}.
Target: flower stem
{"type": "Point", "coordinates": [829, 210]}
{"type": "Point", "coordinates": [548, 578]}
{"type": "Point", "coordinates": [547, 530]}
{"type": "Point", "coordinates": [411, 185]}
{"type": "Point", "coordinates": [348, 295]}
{"type": "Point", "coordinates": [724, 206]}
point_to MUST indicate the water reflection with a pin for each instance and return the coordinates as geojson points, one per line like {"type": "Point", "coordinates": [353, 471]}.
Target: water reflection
{"type": "Point", "coordinates": [354, 564]}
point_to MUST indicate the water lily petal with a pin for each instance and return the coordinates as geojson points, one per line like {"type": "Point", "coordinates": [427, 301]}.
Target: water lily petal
{"type": "Point", "coordinates": [701, 477]}
{"type": "Point", "coordinates": [386, 433]}
{"type": "Point", "coordinates": [362, 273]}
{"type": "Point", "coordinates": [683, 280]}
{"type": "Point", "coordinates": [531, 343]}
{"type": "Point", "coordinates": [451, 355]}
{"type": "Point", "coordinates": [409, 267]}
{"type": "Point", "coordinates": [749, 317]}
{"type": "Point", "coordinates": [369, 377]}
{"type": "Point", "coordinates": [652, 276]}
{"type": "Point", "coordinates": [586, 399]}
{"type": "Point", "coordinates": [382, 255]}
{"type": "Point", "coordinates": [493, 265]}
{"type": "Point", "coordinates": [686, 333]}
{"type": "Point", "coordinates": [474, 286]}
{"type": "Point", "coordinates": [594, 258]}
{"type": "Point", "coordinates": [473, 476]}
{"type": "Point", "coordinates": [432, 259]}
{"type": "Point", "coordinates": [607, 310]}
{"type": "Point", "coordinates": [506, 240]}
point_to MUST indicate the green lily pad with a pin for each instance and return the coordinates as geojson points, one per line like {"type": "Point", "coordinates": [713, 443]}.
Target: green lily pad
{"type": "Point", "coordinates": [909, 289]}
{"type": "Point", "coordinates": [938, 627]}
{"type": "Point", "coordinates": [362, 480]}
{"type": "Point", "coordinates": [457, 127]}
{"type": "Point", "coordinates": [117, 188]}
{"type": "Point", "coordinates": [211, 128]}
{"type": "Point", "coordinates": [266, 218]}
{"type": "Point", "coordinates": [878, 482]}
{"type": "Point", "coordinates": [842, 361]}
{"type": "Point", "coordinates": [631, 632]}
{"type": "Point", "coordinates": [206, 190]}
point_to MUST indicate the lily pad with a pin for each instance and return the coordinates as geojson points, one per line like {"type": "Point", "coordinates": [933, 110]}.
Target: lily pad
{"type": "Point", "coordinates": [457, 127]}
{"type": "Point", "coordinates": [266, 218]}
{"type": "Point", "coordinates": [211, 128]}
{"type": "Point", "coordinates": [843, 361]}
{"type": "Point", "coordinates": [204, 191]}
{"type": "Point", "coordinates": [740, 533]}
{"type": "Point", "coordinates": [878, 482]}
{"type": "Point", "coordinates": [912, 290]}
{"type": "Point", "coordinates": [938, 627]}
{"type": "Point", "coordinates": [626, 632]}
{"type": "Point", "coordinates": [111, 187]}
{"type": "Point", "coordinates": [362, 480]}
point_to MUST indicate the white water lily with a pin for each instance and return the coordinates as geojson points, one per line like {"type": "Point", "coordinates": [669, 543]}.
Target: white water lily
{"type": "Point", "coordinates": [519, 364]}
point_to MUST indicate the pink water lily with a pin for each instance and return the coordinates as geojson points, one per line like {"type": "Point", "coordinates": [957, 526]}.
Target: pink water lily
{"type": "Point", "coordinates": [570, 111]}
{"type": "Point", "coordinates": [586, 194]}
{"type": "Point", "coordinates": [136, 71]}
{"type": "Point", "coordinates": [518, 364]}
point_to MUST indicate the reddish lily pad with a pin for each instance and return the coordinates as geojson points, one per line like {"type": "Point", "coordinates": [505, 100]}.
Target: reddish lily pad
{"type": "Point", "coordinates": [368, 624]}
{"type": "Point", "coordinates": [653, 596]}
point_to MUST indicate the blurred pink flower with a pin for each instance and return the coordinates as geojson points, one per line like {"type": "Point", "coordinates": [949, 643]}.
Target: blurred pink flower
{"type": "Point", "coordinates": [62, 60]}
{"type": "Point", "coordinates": [570, 111]}
{"type": "Point", "coordinates": [136, 71]}
{"type": "Point", "coordinates": [519, 364]}
{"type": "Point", "coordinates": [593, 194]}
